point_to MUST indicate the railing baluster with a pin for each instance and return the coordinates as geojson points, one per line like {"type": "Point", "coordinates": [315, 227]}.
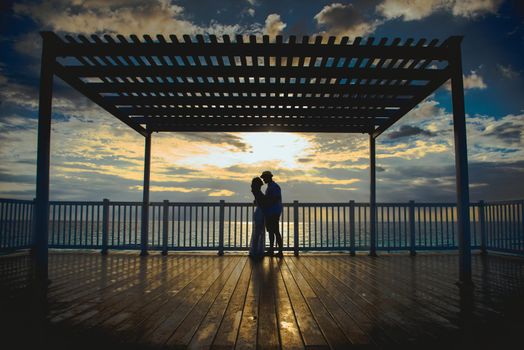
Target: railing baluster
{"type": "Point", "coordinates": [113, 224]}
{"type": "Point", "coordinates": [207, 230]}
{"type": "Point", "coordinates": [221, 228]}
{"type": "Point", "coordinates": [202, 226]}
{"type": "Point", "coordinates": [185, 230]}
{"type": "Point", "coordinates": [352, 227]}
{"type": "Point", "coordinates": [412, 248]}
{"type": "Point", "coordinates": [52, 208]}
{"type": "Point", "coordinates": [70, 223]}
{"type": "Point", "coordinates": [506, 227]}
{"type": "Point", "coordinates": [295, 227]}
{"type": "Point", "coordinates": [482, 219]}
{"type": "Point", "coordinates": [165, 216]}
{"type": "Point", "coordinates": [214, 226]}
{"type": "Point", "coordinates": [172, 226]}
{"type": "Point", "coordinates": [178, 228]}
{"type": "Point", "coordinates": [80, 225]}
{"type": "Point", "coordinates": [309, 225]}
{"type": "Point", "coordinates": [521, 224]}
{"type": "Point", "coordinates": [105, 225]}
{"type": "Point", "coordinates": [338, 227]}
{"type": "Point", "coordinates": [2, 224]}
{"type": "Point", "coordinates": [229, 226]}
{"type": "Point", "coordinates": [316, 228]}
{"type": "Point", "coordinates": [235, 228]}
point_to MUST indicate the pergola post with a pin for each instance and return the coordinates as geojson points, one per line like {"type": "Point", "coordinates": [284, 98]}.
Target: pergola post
{"type": "Point", "coordinates": [461, 163]}
{"type": "Point", "coordinates": [145, 198]}
{"type": "Point", "coordinates": [41, 224]}
{"type": "Point", "coordinates": [372, 198]}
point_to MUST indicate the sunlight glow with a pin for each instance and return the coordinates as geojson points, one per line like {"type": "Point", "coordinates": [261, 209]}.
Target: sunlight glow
{"type": "Point", "coordinates": [282, 149]}
{"type": "Point", "coordinates": [272, 146]}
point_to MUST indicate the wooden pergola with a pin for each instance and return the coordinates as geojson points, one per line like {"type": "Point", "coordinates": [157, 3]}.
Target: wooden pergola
{"type": "Point", "coordinates": [252, 85]}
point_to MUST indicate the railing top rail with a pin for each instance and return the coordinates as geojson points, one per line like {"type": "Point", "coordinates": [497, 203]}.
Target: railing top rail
{"type": "Point", "coordinates": [9, 200]}
{"type": "Point", "coordinates": [511, 201]}
{"type": "Point", "coordinates": [286, 204]}
{"type": "Point", "coordinates": [75, 202]}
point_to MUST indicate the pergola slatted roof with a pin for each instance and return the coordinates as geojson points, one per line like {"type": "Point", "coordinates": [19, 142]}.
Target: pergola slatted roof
{"type": "Point", "coordinates": [258, 84]}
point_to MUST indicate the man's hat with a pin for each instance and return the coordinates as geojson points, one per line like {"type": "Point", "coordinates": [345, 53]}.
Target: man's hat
{"type": "Point", "coordinates": [266, 173]}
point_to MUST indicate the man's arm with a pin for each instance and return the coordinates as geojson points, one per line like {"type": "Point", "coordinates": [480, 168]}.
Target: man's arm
{"type": "Point", "coordinates": [274, 195]}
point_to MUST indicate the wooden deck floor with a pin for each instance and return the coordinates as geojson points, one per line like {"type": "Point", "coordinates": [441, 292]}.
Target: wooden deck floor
{"type": "Point", "coordinates": [315, 301]}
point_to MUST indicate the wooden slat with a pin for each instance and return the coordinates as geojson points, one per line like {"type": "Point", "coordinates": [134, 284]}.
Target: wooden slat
{"type": "Point", "coordinates": [249, 71]}
{"type": "Point", "coordinates": [252, 87]}
{"type": "Point", "coordinates": [319, 301]}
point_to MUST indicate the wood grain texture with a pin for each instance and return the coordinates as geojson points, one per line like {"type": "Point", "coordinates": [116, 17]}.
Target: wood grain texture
{"type": "Point", "coordinates": [202, 301]}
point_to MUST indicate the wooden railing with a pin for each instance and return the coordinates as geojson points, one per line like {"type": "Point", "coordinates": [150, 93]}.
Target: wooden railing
{"type": "Point", "coordinates": [223, 226]}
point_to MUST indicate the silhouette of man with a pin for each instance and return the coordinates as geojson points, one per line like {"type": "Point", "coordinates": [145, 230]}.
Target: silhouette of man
{"type": "Point", "coordinates": [273, 212]}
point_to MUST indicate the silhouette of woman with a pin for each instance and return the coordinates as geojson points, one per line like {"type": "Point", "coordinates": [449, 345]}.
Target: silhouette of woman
{"type": "Point", "coordinates": [258, 236]}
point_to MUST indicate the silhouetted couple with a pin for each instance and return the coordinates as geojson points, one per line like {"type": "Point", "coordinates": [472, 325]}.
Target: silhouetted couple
{"type": "Point", "coordinates": [266, 216]}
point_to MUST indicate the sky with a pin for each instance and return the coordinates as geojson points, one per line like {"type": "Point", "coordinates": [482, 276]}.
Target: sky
{"type": "Point", "coordinates": [95, 156]}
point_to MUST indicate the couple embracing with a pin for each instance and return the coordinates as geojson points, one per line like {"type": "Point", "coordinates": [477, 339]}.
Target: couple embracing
{"type": "Point", "coordinates": [266, 216]}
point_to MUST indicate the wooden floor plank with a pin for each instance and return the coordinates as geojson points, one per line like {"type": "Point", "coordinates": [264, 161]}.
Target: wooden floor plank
{"type": "Point", "coordinates": [224, 284]}
{"type": "Point", "coordinates": [227, 333]}
{"type": "Point", "coordinates": [248, 329]}
{"type": "Point", "coordinates": [201, 301]}
{"type": "Point", "coordinates": [290, 337]}
{"type": "Point", "coordinates": [348, 325]}
{"type": "Point", "coordinates": [184, 302]}
{"type": "Point", "coordinates": [209, 327]}
{"type": "Point", "coordinates": [268, 330]}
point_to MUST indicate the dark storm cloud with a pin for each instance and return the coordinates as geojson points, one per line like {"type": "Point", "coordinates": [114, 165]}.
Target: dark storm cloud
{"type": "Point", "coordinates": [305, 160]}
{"type": "Point", "coordinates": [5, 176]}
{"type": "Point", "coordinates": [507, 132]}
{"type": "Point", "coordinates": [488, 181]}
{"type": "Point", "coordinates": [409, 130]}
{"type": "Point", "coordinates": [176, 171]}
{"type": "Point", "coordinates": [217, 138]}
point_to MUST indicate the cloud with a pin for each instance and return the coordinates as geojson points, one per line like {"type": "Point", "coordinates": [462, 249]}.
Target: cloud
{"type": "Point", "coordinates": [424, 110]}
{"type": "Point", "coordinates": [274, 25]}
{"type": "Point", "coordinates": [123, 17]}
{"type": "Point", "coordinates": [344, 20]}
{"type": "Point", "coordinates": [29, 44]}
{"type": "Point", "coordinates": [474, 81]}
{"type": "Point", "coordinates": [508, 71]}
{"type": "Point", "coordinates": [508, 132]}
{"type": "Point", "coordinates": [471, 81]}
{"type": "Point", "coordinates": [474, 8]}
{"type": "Point", "coordinates": [409, 130]}
{"type": "Point", "coordinates": [411, 10]}
{"type": "Point", "coordinates": [221, 193]}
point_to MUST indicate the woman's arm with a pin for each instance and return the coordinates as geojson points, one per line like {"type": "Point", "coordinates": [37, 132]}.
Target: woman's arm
{"type": "Point", "coordinates": [260, 198]}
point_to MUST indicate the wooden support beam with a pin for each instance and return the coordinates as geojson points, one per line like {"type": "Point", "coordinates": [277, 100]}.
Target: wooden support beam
{"type": "Point", "coordinates": [144, 237]}
{"type": "Point", "coordinates": [372, 198]}
{"type": "Point", "coordinates": [252, 71]}
{"type": "Point", "coordinates": [209, 127]}
{"type": "Point", "coordinates": [294, 102]}
{"type": "Point", "coordinates": [41, 226]}
{"type": "Point", "coordinates": [461, 163]}
{"type": "Point", "coordinates": [349, 113]}
{"type": "Point", "coordinates": [77, 84]}
{"type": "Point", "coordinates": [206, 86]}
{"type": "Point", "coordinates": [229, 47]}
